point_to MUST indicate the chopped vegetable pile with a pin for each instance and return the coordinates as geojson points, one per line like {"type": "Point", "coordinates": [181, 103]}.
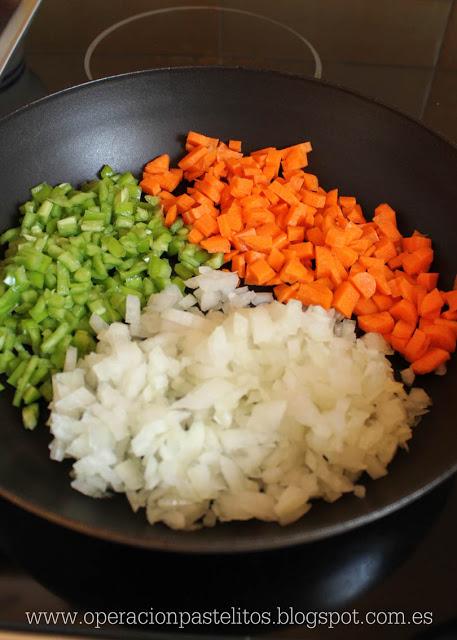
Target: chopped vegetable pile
{"type": "Point", "coordinates": [75, 253]}
{"type": "Point", "coordinates": [278, 227]}
{"type": "Point", "coordinates": [236, 413]}
{"type": "Point", "coordinates": [82, 252]}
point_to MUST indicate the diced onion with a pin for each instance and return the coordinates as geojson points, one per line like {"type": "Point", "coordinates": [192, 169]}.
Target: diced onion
{"type": "Point", "coordinates": [242, 412]}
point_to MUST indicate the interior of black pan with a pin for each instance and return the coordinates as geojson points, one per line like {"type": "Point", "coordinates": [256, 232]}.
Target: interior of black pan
{"type": "Point", "coordinates": [359, 146]}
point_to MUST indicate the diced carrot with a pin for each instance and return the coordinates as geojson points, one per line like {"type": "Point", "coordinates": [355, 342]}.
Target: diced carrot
{"type": "Point", "coordinates": [235, 220]}
{"type": "Point", "coordinates": [407, 290]}
{"type": "Point", "coordinates": [365, 284]}
{"type": "Point", "coordinates": [356, 215]}
{"type": "Point", "coordinates": [211, 187]}
{"type": "Point", "coordinates": [259, 219]}
{"type": "Point", "coordinates": [356, 268]}
{"type": "Point", "coordinates": [315, 236]}
{"type": "Point", "coordinates": [415, 242]}
{"type": "Point", "coordinates": [294, 271]}
{"type": "Point", "coordinates": [228, 257]}
{"type": "Point", "coordinates": [261, 271]}
{"type": "Point", "coordinates": [424, 323]}
{"type": "Point", "coordinates": [318, 221]}
{"type": "Point", "coordinates": [403, 329]}
{"type": "Point", "coordinates": [171, 216]}
{"type": "Point", "coordinates": [194, 138]}
{"type": "Point", "coordinates": [200, 197]}
{"type": "Point", "coordinates": [312, 184]}
{"type": "Point", "coordinates": [280, 241]}
{"type": "Point", "coordinates": [223, 222]}
{"type": "Point", "coordinates": [338, 272]}
{"type": "Point", "coordinates": [196, 154]}
{"type": "Point", "coordinates": [295, 234]}
{"type": "Point", "coordinates": [385, 249]}
{"type": "Point", "coordinates": [272, 163]}
{"type": "Point", "coordinates": [234, 145]}
{"type": "Point", "coordinates": [240, 187]}
{"type": "Point", "coordinates": [280, 210]}
{"type": "Point", "coordinates": [276, 259]}
{"type": "Point", "coordinates": [365, 306]}
{"type": "Point", "coordinates": [383, 302]}
{"type": "Point", "coordinates": [284, 193]}
{"type": "Point", "coordinates": [251, 256]}
{"type": "Point", "coordinates": [441, 336]}
{"type": "Point", "coordinates": [347, 201]}
{"type": "Point", "coordinates": [382, 285]}
{"type": "Point", "coordinates": [303, 250]}
{"type": "Point", "coordinates": [384, 212]}
{"type": "Point", "coordinates": [296, 214]}
{"type": "Point", "coordinates": [396, 342]}
{"type": "Point", "coordinates": [388, 229]}
{"type": "Point", "coordinates": [404, 310]}
{"type": "Point", "coordinates": [396, 261]}
{"type": "Point", "coordinates": [331, 198]}
{"type": "Point", "coordinates": [433, 301]}
{"type": "Point", "coordinates": [170, 179]}
{"type": "Point", "coordinates": [243, 234]}
{"type": "Point", "coordinates": [184, 202]}
{"type": "Point", "coordinates": [449, 315]}
{"type": "Point", "coordinates": [315, 294]}
{"type": "Point", "coordinates": [325, 282]}
{"type": "Point", "coordinates": [381, 322]}
{"type": "Point", "coordinates": [207, 225]}
{"type": "Point", "coordinates": [198, 212]}
{"type": "Point", "coordinates": [324, 261]}
{"type": "Point", "coordinates": [216, 244]}
{"type": "Point", "coordinates": [150, 185]}
{"type": "Point", "coordinates": [428, 280]}
{"type": "Point", "coordinates": [167, 198]}
{"type": "Point", "coordinates": [195, 236]}
{"type": "Point", "coordinates": [161, 164]}
{"type": "Point", "coordinates": [334, 214]}
{"type": "Point", "coordinates": [294, 181]}
{"type": "Point", "coordinates": [345, 298]}
{"type": "Point", "coordinates": [451, 324]}
{"type": "Point", "coordinates": [313, 199]}
{"type": "Point", "coordinates": [430, 361]}
{"type": "Point", "coordinates": [259, 243]}
{"type": "Point", "coordinates": [304, 146]}
{"type": "Point", "coordinates": [420, 292]}
{"type": "Point", "coordinates": [335, 237]}
{"type": "Point", "coordinates": [188, 217]}
{"type": "Point", "coordinates": [451, 300]}
{"type": "Point", "coordinates": [433, 315]}
{"type": "Point", "coordinates": [294, 159]}
{"type": "Point", "coordinates": [417, 345]}
{"type": "Point", "coordinates": [418, 261]}
{"type": "Point", "coordinates": [284, 292]}
{"type": "Point", "coordinates": [395, 289]}
{"type": "Point", "coordinates": [253, 202]}
{"type": "Point", "coordinates": [369, 262]}
{"type": "Point", "coordinates": [346, 255]}
{"type": "Point", "coordinates": [269, 229]}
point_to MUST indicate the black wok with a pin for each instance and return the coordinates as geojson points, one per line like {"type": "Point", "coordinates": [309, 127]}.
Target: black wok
{"type": "Point", "coordinates": [360, 146]}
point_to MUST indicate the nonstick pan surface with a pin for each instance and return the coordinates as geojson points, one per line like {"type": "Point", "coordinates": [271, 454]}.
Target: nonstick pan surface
{"type": "Point", "coordinates": [360, 146]}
